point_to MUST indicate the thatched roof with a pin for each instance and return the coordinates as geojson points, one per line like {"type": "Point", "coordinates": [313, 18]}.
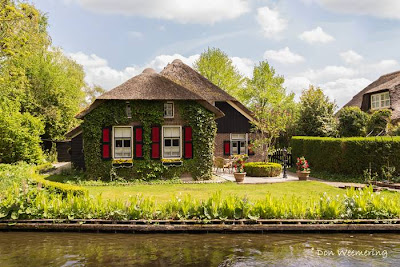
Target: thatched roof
{"type": "Point", "coordinates": [150, 86]}
{"type": "Point", "coordinates": [184, 75]}
{"type": "Point", "coordinates": [388, 82]}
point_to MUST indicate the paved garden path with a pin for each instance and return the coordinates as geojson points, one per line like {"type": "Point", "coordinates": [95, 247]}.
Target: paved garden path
{"type": "Point", "coordinates": [279, 179]}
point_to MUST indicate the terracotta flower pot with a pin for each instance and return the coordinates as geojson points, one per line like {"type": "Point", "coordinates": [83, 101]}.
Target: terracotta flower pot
{"type": "Point", "coordinates": [239, 176]}
{"type": "Point", "coordinates": [303, 175]}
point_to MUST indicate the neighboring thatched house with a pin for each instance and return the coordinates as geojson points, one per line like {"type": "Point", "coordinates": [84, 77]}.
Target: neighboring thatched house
{"type": "Point", "coordinates": [153, 121]}
{"type": "Point", "coordinates": [382, 93]}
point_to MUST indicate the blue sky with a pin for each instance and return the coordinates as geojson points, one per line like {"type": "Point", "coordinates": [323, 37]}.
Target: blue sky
{"type": "Point", "coordinates": [340, 45]}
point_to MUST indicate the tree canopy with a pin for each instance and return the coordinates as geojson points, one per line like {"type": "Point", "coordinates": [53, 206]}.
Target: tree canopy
{"type": "Point", "coordinates": [217, 67]}
{"type": "Point", "coordinates": [39, 85]}
{"type": "Point", "coordinates": [316, 115]}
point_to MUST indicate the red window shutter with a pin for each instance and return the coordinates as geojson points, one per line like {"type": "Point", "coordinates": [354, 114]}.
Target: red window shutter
{"type": "Point", "coordinates": [139, 134]}
{"type": "Point", "coordinates": [227, 148]}
{"type": "Point", "coordinates": [155, 142]}
{"type": "Point", "coordinates": [106, 143]}
{"type": "Point", "coordinates": [138, 145]}
{"type": "Point", "coordinates": [187, 142]}
{"type": "Point", "coordinates": [106, 135]}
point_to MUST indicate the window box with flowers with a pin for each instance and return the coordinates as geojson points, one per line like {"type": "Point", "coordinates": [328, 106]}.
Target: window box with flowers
{"type": "Point", "coordinates": [172, 162]}
{"type": "Point", "coordinates": [303, 169]}
{"type": "Point", "coordinates": [122, 163]}
{"type": "Point", "coordinates": [238, 161]}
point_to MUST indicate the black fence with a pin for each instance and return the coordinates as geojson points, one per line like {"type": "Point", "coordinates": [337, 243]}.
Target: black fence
{"type": "Point", "coordinates": [279, 157]}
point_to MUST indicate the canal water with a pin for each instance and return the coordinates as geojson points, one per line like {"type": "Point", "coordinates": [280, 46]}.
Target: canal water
{"type": "Point", "coordinates": [87, 249]}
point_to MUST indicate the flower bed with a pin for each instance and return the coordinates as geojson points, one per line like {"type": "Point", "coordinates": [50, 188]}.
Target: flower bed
{"type": "Point", "coordinates": [263, 169]}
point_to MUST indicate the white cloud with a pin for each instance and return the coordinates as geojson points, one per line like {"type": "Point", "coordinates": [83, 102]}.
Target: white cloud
{"type": "Point", "coordinates": [244, 65]}
{"type": "Point", "coordinates": [381, 9]}
{"type": "Point", "coordinates": [316, 35]}
{"type": "Point", "coordinates": [329, 73]}
{"type": "Point", "coordinates": [183, 11]}
{"type": "Point", "coordinates": [159, 62]}
{"type": "Point", "coordinates": [271, 21]}
{"type": "Point", "coordinates": [99, 72]}
{"type": "Point", "coordinates": [297, 84]}
{"type": "Point", "coordinates": [343, 90]}
{"type": "Point", "coordinates": [283, 55]}
{"type": "Point", "coordinates": [136, 35]}
{"type": "Point", "coordinates": [351, 57]}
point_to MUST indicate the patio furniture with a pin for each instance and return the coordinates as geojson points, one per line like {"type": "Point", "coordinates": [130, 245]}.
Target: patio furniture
{"type": "Point", "coordinates": [228, 164]}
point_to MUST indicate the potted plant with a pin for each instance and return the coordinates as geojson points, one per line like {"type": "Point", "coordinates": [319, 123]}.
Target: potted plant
{"type": "Point", "coordinates": [239, 161]}
{"type": "Point", "coordinates": [303, 169]}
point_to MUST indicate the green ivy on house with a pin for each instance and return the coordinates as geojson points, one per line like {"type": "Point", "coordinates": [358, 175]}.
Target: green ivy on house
{"type": "Point", "coordinates": [148, 113]}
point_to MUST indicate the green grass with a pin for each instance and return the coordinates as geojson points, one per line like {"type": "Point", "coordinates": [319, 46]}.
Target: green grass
{"type": "Point", "coordinates": [163, 192]}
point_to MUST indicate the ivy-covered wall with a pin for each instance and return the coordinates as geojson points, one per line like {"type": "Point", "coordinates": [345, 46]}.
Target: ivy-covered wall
{"type": "Point", "coordinates": [147, 114]}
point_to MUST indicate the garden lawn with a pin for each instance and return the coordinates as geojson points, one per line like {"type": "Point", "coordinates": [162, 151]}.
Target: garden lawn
{"type": "Point", "coordinates": [164, 192]}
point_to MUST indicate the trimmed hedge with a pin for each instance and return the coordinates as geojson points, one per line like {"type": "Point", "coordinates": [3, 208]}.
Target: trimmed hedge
{"type": "Point", "coordinates": [56, 187]}
{"type": "Point", "coordinates": [349, 156]}
{"type": "Point", "coordinates": [262, 169]}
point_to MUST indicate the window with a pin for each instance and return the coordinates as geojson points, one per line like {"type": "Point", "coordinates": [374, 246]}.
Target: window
{"type": "Point", "coordinates": [238, 144]}
{"type": "Point", "coordinates": [172, 142]}
{"type": "Point", "coordinates": [123, 142]}
{"type": "Point", "coordinates": [169, 110]}
{"type": "Point", "coordinates": [381, 100]}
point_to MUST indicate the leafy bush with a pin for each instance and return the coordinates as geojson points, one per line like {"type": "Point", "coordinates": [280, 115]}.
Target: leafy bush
{"type": "Point", "coordinates": [348, 156]}
{"type": "Point", "coordinates": [19, 135]}
{"type": "Point", "coordinates": [56, 187]}
{"type": "Point", "coordinates": [379, 121]}
{"type": "Point", "coordinates": [14, 173]}
{"type": "Point", "coordinates": [262, 169]}
{"type": "Point", "coordinates": [32, 203]}
{"type": "Point", "coordinates": [352, 122]}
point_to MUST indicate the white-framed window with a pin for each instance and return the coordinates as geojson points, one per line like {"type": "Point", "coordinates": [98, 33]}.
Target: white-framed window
{"type": "Point", "coordinates": [381, 100]}
{"type": "Point", "coordinates": [172, 141]}
{"type": "Point", "coordinates": [169, 110]}
{"type": "Point", "coordinates": [239, 144]}
{"type": "Point", "coordinates": [122, 142]}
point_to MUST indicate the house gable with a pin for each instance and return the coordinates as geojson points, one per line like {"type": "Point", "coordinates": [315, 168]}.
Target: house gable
{"type": "Point", "coordinates": [233, 121]}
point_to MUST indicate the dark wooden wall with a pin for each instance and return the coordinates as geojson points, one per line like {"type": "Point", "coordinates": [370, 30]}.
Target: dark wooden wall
{"type": "Point", "coordinates": [77, 156]}
{"type": "Point", "coordinates": [233, 121]}
{"type": "Point", "coordinates": [63, 151]}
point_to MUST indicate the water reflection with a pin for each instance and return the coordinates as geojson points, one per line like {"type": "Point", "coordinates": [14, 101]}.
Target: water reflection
{"type": "Point", "coordinates": [79, 249]}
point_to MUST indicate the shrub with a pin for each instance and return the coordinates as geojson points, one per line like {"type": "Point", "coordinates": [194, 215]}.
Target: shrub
{"type": "Point", "coordinates": [14, 173]}
{"type": "Point", "coordinates": [352, 122]}
{"type": "Point", "coordinates": [379, 121]}
{"type": "Point", "coordinates": [348, 156]}
{"type": "Point", "coordinates": [262, 169]}
{"type": "Point", "coordinates": [56, 187]}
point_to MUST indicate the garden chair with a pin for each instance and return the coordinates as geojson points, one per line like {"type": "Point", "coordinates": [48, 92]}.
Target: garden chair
{"type": "Point", "coordinates": [228, 164]}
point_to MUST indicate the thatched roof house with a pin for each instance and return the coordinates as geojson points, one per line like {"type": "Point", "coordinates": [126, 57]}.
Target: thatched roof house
{"type": "Point", "coordinates": [116, 134]}
{"type": "Point", "coordinates": [382, 93]}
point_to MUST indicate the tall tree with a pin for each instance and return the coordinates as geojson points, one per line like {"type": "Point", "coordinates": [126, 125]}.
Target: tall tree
{"type": "Point", "coordinates": [216, 66]}
{"type": "Point", "coordinates": [352, 122]}
{"type": "Point", "coordinates": [92, 92]}
{"type": "Point", "coordinates": [273, 108]}
{"type": "Point", "coordinates": [316, 116]}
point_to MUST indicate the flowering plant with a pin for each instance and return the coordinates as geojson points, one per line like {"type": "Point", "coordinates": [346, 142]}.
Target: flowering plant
{"type": "Point", "coordinates": [238, 161]}
{"type": "Point", "coordinates": [302, 164]}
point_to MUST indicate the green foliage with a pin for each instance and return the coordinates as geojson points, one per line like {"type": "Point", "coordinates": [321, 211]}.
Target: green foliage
{"type": "Point", "coordinates": [348, 156]}
{"type": "Point", "coordinates": [316, 116]}
{"type": "Point", "coordinates": [14, 173]}
{"type": "Point", "coordinates": [149, 113]}
{"type": "Point", "coordinates": [55, 94]}
{"type": "Point", "coordinates": [56, 187]}
{"type": "Point", "coordinates": [92, 92]}
{"type": "Point", "coordinates": [394, 129]}
{"type": "Point", "coordinates": [352, 122]}
{"type": "Point", "coordinates": [262, 169]}
{"type": "Point", "coordinates": [274, 110]}
{"type": "Point", "coordinates": [31, 203]}
{"type": "Point", "coordinates": [19, 135]}
{"type": "Point", "coordinates": [379, 121]}
{"type": "Point", "coordinates": [217, 67]}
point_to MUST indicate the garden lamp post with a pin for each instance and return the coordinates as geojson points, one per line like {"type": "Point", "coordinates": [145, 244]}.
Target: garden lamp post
{"type": "Point", "coordinates": [284, 162]}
